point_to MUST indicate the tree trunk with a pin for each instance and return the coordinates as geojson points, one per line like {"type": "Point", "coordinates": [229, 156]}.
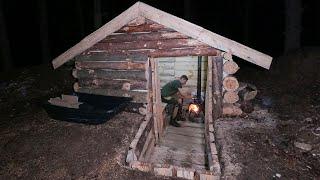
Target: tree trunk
{"type": "Point", "coordinates": [80, 19]}
{"type": "Point", "coordinates": [97, 13]}
{"type": "Point", "coordinates": [187, 9]}
{"type": "Point", "coordinates": [44, 35]}
{"type": "Point", "coordinates": [293, 25]}
{"type": "Point", "coordinates": [5, 51]}
{"type": "Point", "coordinates": [247, 21]}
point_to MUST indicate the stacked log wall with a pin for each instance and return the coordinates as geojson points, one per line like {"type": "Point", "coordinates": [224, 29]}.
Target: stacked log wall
{"type": "Point", "coordinates": [115, 66]}
{"type": "Point", "coordinates": [111, 76]}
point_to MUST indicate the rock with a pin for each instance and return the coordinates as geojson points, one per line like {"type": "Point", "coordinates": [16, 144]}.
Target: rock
{"type": "Point", "coordinates": [308, 119]}
{"type": "Point", "coordinates": [303, 146]}
{"type": "Point", "coordinates": [316, 131]}
{"type": "Point", "coordinates": [278, 175]}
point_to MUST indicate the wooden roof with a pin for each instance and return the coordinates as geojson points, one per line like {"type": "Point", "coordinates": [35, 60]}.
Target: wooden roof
{"type": "Point", "coordinates": [140, 9]}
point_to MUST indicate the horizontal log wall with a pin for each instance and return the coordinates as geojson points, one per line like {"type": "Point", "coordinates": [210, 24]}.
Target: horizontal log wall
{"type": "Point", "coordinates": [116, 75]}
{"type": "Point", "coordinates": [151, 39]}
{"type": "Point", "coordinates": [120, 65]}
{"type": "Point", "coordinates": [116, 65]}
{"type": "Point", "coordinates": [108, 74]}
{"type": "Point", "coordinates": [112, 84]}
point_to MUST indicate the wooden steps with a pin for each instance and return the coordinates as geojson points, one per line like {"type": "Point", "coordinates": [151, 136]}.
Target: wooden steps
{"type": "Point", "coordinates": [182, 146]}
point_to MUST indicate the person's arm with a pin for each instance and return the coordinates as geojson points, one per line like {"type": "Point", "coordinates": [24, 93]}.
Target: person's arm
{"type": "Point", "coordinates": [184, 94]}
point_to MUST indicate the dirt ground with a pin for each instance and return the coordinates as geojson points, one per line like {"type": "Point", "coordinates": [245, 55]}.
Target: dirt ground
{"type": "Point", "coordinates": [280, 139]}
{"type": "Point", "coordinates": [33, 146]}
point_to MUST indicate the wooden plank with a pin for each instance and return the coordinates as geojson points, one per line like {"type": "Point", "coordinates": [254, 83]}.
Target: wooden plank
{"type": "Point", "coordinates": [187, 134]}
{"type": "Point", "coordinates": [154, 108]}
{"type": "Point", "coordinates": [165, 155]}
{"type": "Point", "coordinates": [191, 124]}
{"type": "Point", "coordinates": [205, 36]}
{"type": "Point", "coordinates": [147, 146]}
{"type": "Point", "coordinates": [184, 139]}
{"type": "Point", "coordinates": [142, 127]}
{"type": "Point", "coordinates": [158, 100]}
{"type": "Point", "coordinates": [208, 113]}
{"type": "Point", "coordinates": [142, 139]}
{"type": "Point", "coordinates": [217, 86]}
{"type": "Point", "coordinates": [112, 26]}
{"type": "Point", "coordinates": [151, 36]}
{"type": "Point", "coordinates": [189, 130]}
{"type": "Point", "coordinates": [183, 146]}
{"type": "Point", "coordinates": [108, 74]}
{"type": "Point", "coordinates": [120, 65]}
{"type": "Point", "coordinates": [69, 98]}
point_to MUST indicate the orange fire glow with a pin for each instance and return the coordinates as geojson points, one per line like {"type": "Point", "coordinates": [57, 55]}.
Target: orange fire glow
{"type": "Point", "coordinates": [194, 108]}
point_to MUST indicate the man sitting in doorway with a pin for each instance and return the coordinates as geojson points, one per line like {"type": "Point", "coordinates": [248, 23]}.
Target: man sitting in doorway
{"type": "Point", "coordinates": [172, 94]}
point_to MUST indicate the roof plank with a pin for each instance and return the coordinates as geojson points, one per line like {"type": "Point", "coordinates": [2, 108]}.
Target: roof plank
{"type": "Point", "coordinates": [182, 26]}
{"type": "Point", "coordinates": [205, 36]}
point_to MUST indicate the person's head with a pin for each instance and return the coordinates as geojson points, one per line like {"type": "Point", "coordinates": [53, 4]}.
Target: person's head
{"type": "Point", "coordinates": [183, 79]}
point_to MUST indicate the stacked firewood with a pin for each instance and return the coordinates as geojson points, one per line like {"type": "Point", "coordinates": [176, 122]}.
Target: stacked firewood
{"type": "Point", "coordinates": [234, 92]}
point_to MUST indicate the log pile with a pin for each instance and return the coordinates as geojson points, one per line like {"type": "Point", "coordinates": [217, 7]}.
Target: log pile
{"type": "Point", "coordinates": [236, 95]}
{"type": "Point", "coordinates": [230, 86]}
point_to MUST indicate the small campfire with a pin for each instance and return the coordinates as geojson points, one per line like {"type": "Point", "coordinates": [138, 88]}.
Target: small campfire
{"type": "Point", "coordinates": [194, 108]}
{"type": "Point", "coordinates": [194, 111]}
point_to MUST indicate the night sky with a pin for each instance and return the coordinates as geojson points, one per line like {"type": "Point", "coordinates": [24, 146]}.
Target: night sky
{"type": "Point", "coordinates": [70, 21]}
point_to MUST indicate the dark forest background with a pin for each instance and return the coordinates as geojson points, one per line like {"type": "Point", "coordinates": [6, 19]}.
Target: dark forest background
{"type": "Point", "coordinates": [34, 32]}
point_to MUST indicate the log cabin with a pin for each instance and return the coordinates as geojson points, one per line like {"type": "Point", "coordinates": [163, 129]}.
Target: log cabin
{"type": "Point", "coordinates": [137, 52]}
